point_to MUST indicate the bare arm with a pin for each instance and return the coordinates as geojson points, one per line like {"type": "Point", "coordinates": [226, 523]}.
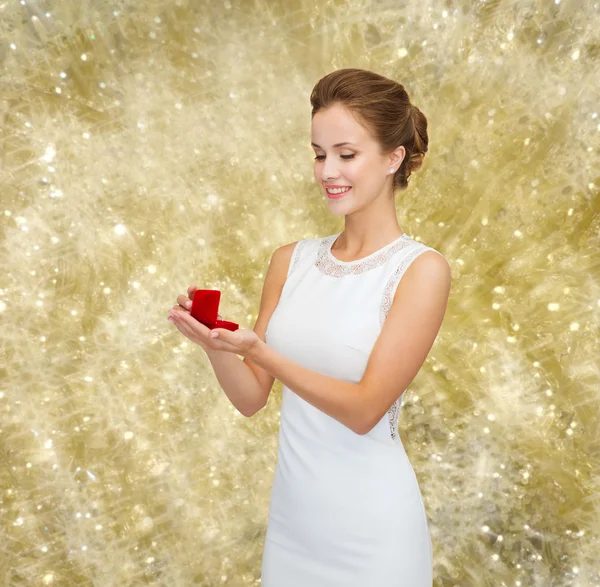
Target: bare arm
{"type": "Point", "coordinates": [237, 380]}
{"type": "Point", "coordinates": [247, 384]}
{"type": "Point", "coordinates": [274, 282]}
{"type": "Point", "coordinates": [341, 400]}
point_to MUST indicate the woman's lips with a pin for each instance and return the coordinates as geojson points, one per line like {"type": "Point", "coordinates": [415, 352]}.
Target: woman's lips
{"type": "Point", "coordinates": [337, 196]}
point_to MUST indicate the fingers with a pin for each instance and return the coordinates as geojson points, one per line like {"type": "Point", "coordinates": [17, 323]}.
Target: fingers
{"type": "Point", "coordinates": [184, 302]}
{"type": "Point", "coordinates": [194, 330]}
{"type": "Point", "coordinates": [191, 291]}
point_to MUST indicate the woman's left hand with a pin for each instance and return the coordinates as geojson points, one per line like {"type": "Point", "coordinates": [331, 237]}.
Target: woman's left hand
{"type": "Point", "coordinates": [241, 342]}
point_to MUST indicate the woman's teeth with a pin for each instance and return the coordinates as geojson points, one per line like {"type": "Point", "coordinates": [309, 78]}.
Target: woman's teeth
{"type": "Point", "coordinates": [337, 190]}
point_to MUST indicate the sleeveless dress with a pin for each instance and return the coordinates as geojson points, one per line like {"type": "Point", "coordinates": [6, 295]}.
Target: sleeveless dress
{"type": "Point", "coordinates": [346, 509]}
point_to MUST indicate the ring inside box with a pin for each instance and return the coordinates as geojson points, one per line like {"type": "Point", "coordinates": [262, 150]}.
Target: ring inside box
{"type": "Point", "coordinates": [205, 307]}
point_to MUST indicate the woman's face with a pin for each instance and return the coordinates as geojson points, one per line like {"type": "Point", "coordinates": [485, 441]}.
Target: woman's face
{"type": "Point", "coordinates": [357, 165]}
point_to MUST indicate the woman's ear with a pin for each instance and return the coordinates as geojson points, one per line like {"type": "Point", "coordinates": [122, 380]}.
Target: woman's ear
{"type": "Point", "coordinates": [397, 157]}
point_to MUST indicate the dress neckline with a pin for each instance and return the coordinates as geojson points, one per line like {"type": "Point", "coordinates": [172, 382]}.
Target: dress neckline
{"type": "Point", "coordinates": [337, 261]}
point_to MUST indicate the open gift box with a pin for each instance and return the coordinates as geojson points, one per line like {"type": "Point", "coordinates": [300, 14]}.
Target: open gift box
{"type": "Point", "coordinates": [205, 305]}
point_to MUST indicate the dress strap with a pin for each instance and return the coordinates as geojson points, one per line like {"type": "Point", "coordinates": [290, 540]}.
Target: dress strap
{"type": "Point", "coordinates": [297, 255]}
{"type": "Point", "coordinates": [408, 256]}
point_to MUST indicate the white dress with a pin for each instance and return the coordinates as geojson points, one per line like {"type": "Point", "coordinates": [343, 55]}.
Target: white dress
{"type": "Point", "coordinates": [346, 509]}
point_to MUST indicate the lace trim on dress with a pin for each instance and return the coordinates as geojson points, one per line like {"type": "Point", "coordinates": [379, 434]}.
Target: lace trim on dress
{"type": "Point", "coordinates": [333, 267]}
{"type": "Point", "coordinates": [386, 304]}
{"type": "Point", "coordinates": [393, 413]}
{"type": "Point", "coordinates": [388, 297]}
{"type": "Point", "coordinates": [296, 255]}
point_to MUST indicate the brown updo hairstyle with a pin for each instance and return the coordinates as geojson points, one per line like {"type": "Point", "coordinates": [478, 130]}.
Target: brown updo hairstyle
{"type": "Point", "coordinates": [383, 107]}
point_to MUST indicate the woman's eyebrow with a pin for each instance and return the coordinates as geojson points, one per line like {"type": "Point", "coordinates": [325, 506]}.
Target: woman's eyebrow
{"type": "Point", "coordinates": [334, 146]}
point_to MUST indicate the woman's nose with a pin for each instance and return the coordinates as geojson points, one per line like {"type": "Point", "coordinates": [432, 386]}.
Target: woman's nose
{"type": "Point", "coordinates": [329, 171]}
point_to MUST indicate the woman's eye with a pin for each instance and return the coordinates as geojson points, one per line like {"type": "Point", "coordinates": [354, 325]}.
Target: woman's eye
{"type": "Point", "coordinates": [321, 157]}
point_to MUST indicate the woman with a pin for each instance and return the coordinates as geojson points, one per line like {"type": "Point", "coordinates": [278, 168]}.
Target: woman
{"type": "Point", "coordinates": [346, 322]}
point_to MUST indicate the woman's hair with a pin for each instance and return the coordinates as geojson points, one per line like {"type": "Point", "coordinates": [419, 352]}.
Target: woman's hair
{"type": "Point", "coordinates": [383, 107]}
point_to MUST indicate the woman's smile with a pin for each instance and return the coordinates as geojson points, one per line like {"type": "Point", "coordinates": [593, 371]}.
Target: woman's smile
{"type": "Point", "coordinates": [337, 192]}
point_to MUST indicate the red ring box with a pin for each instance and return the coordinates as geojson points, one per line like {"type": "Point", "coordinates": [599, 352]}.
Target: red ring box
{"type": "Point", "coordinates": [205, 305]}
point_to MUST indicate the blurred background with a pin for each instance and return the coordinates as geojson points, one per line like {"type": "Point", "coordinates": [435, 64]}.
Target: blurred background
{"type": "Point", "coordinates": [150, 145]}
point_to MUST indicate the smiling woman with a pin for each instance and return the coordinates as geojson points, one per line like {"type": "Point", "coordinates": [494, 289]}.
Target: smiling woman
{"type": "Point", "coordinates": [357, 316]}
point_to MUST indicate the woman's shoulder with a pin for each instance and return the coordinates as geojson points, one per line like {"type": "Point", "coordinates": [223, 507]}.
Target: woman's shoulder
{"type": "Point", "coordinates": [419, 245]}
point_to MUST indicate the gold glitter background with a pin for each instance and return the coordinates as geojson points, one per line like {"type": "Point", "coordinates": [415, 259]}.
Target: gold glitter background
{"type": "Point", "coordinates": [147, 146]}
